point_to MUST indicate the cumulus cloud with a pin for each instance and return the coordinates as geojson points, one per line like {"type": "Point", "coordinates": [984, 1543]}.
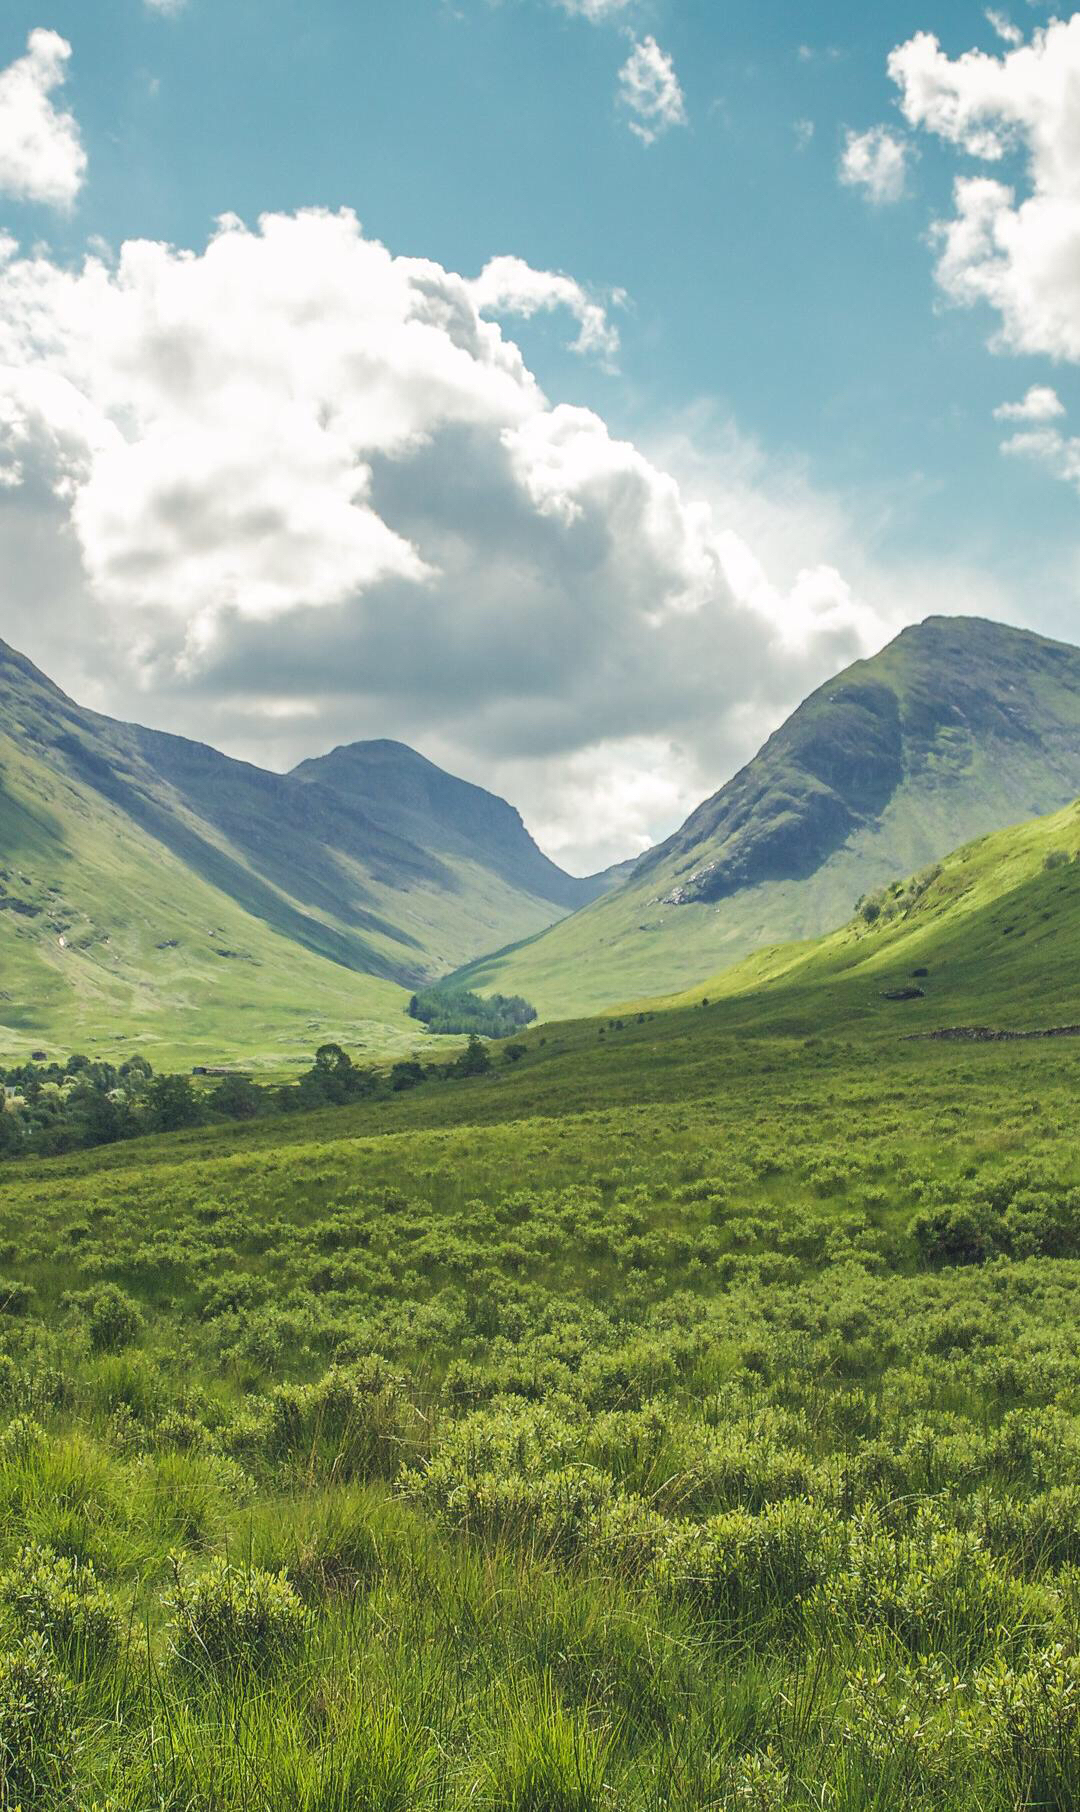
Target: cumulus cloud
{"type": "Point", "coordinates": [876, 162]}
{"type": "Point", "coordinates": [1013, 246]}
{"type": "Point", "coordinates": [509, 286]}
{"type": "Point", "coordinates": [1041, 404]}
{"type": "Point", "coordinates": [291, 490]}
{"type": "Point", "coordinates": [649, 89]}
{"type": "Point", "coordinates": [41, 154]}
{"type": "Point", "coordinates": [1057, 453]}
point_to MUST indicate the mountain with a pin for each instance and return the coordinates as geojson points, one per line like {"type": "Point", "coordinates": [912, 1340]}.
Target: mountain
{"type": "Point", "coordinates": [145, 878]}
{"type": "Point", "coordinates": [406, 795]}
{"type": "Point", "coordinates": [958, 727]}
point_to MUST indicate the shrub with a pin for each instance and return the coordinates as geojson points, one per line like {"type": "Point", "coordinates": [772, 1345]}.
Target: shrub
{"type": "Point", "coordinates": [1027, 1721]}
{"type": "Point", "coordinates": [938, 1590]}
{"type": "Point", "coordinates": [964, 1234]}
{"type": "Point", "coordinates": [36, 1710]}
{"type": "Point", "coordinates": [15, 1297]}
{"type": "Point", "coordinates": [113, 1319]}
{"type": "Point", "coordinates": [758, 1569]}
{"type": "Point", "coordinates": [355, 1423]}
{"type": "Point", "coordinates": [50, 1595]}
{"type": "Point", "coordinates": [22, 1442]}
{"type": "Point", "coordinates": [232, 1619]}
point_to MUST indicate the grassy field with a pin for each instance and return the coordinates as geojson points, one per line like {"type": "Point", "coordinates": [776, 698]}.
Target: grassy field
{"type": "Point", "coordinates": [686, 1415]}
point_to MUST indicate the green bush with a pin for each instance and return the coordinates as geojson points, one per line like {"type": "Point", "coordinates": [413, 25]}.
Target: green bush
{"type": "Point", "coordinates": [36, 1727]}
{"type": "Point", "coordinates": [50, 1595]}
{"type": "Point", "coordinates": [752, 1570]}
{"type": "Point", "coordinates": [355, 1423]}
{"type": "Point", "coordinates": [115, 1321]}
{"type": "Point", "coordinates": [234, 1619]}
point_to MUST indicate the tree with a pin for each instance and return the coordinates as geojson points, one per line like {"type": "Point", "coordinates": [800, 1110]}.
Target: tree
{"type": "Point", "coordinates": [406, 1074]}
{"type": "Point", "coordinates": [334, 1079]}
{"type": "Point", "coordinates": [448, 1009]}
{"type": "Point", "coordinates": [237, 1097]}
{"type": "Point", "coordinates": [173, 1104]}
{"type": "Point", "coordinates": [103, 1119]}
{"type": "Point", "coordinates": [475, 1059]}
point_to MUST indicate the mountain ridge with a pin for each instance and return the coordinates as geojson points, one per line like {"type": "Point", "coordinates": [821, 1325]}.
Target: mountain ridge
{"type": "Point", "coordinates": [958, 727]}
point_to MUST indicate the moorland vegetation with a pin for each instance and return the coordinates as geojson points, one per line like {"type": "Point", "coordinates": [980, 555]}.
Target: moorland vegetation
{"type": "Point", "coordinates": [684, 1415]}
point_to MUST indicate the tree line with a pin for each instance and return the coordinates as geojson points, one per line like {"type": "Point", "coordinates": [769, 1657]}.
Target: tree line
{"type": "Point", "coordinates": [51, 1108]}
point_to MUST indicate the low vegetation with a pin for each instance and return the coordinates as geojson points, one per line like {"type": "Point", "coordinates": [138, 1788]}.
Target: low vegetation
{"type": "Point", "coordinates": [449, 1451]}
{"type": "Point", "coordinates": [679, 1413]}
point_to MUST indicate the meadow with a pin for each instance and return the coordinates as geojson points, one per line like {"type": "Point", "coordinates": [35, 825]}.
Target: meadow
{"type": "Point", "coordinates": [685, 1415]}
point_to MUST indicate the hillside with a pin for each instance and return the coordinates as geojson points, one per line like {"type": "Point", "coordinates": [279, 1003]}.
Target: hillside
{"type": "Point", "coordinates": [145, 879]}
{"type": "Point", "coordinates": [957, 728]}
{"type": "Point", "coordinates": [987, 939]}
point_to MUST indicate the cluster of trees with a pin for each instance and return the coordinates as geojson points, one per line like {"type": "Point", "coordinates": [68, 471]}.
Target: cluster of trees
{"type": "Point", "coordinates": [51, 1108]}
{"type": "Point", "coordinates": [334, 1079]}
{"type": "Point", "coordinates": [449, 1009]}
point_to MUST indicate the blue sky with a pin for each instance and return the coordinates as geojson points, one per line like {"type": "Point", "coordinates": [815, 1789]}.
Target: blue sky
{"type": "Point", "coordinates": [783, 335]}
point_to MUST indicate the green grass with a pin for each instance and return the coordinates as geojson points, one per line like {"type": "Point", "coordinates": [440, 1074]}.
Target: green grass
{"type": "Point", "coordinates": [609, 1432]}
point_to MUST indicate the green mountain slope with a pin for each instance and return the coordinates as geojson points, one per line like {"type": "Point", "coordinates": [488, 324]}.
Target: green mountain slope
{"type": "Point", "coordinates": [145, 879]}
{"type": "Point", "coordinates": [987, 939]}
{"type": "Point", "coordinates": [958, 727]}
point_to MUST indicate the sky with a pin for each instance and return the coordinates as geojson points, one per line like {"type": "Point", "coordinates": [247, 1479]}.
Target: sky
{"type": "Point", "coordinates": [563, 387]}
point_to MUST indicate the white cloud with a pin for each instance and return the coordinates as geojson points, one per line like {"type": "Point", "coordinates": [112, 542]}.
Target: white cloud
{"type": "Point", "coordinates": [649, 89]}
{"type": "Point", "coordinates": [169, 7]}
{"type": "Point", "coordinates": [1016, 249]}
{"type": "Point", "coordinates": [509, 286]}
{"type": "Point", "coordinates": [1003, 25]}
{"type": "Point", "coordinates": [292, 490]}
{"type": "Point", "coordinates": [875, 161]}
{"type": "Point", "coordinates": [41, 154]}
{"type": "Point", "coordinates": [804, 134]}
{"type": "Point", "coordinates": [594, 10]}
{"type": "Point", "coordinates": [1057, 453]}
{"type": "Point", "coordinates": [1041, 404]}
